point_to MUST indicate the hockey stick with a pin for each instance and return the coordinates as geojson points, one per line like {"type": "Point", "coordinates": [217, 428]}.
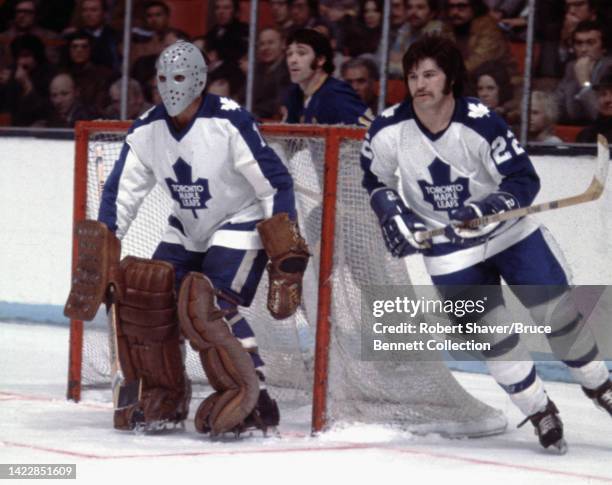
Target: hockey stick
{"type": "Point", "coordinates": [593, 192]}
{"type": "Point", "coordinates": [124, 394]}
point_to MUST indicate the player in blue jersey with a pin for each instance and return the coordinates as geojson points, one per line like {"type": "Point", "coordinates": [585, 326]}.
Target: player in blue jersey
{"type": "Point", "coordinates": [316, 97]}
{"type": "Point", "coordinates": [456, 161]}
{"type": "Point", "coordinates": [233, 208]}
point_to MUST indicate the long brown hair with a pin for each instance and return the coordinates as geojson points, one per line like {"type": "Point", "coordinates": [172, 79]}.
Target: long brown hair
{"type": "Point", "coordinates": [447, 56]}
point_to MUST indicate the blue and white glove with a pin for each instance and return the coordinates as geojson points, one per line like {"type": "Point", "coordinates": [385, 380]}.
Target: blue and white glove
{"type": "Point", "coordinates": [492, 204]}
{"type": "Point", "coordinates": [399, 224]}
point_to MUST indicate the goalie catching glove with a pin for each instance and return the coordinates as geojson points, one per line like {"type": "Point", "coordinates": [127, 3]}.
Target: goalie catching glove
{"type": "Point", "coordinates": [288, 253]}
{"type": "Point", "coordinates": [464, 235]}
{"type": "Point", "coordinates": [398, 223]}
{"type": "Point", "coordinates": [97, 268]}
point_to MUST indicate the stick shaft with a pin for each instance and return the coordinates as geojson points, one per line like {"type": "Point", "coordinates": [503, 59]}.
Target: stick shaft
{"type": "Point", "coordinates": [593, 192]}
{"type": "Point", "coordinates": [117, 376]}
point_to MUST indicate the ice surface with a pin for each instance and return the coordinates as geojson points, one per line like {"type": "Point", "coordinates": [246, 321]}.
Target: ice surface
{"type": "Point", "coordinates": [38, 425]}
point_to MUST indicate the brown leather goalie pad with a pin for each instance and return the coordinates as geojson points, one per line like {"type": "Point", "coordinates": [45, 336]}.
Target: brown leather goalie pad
{"type": "Point", "coordinates": [288, 253]}
{"type": "Point", "coordinates": [227, 364]}
{"type": "Point", "coordinates": [97, 267]}
{"type": "Point", "coordinates": [148, 338]}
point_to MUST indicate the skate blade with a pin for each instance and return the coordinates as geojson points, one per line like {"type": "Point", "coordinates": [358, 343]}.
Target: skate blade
{"type": "Point", "coordinates": [266, 431]}
{"type": "Point", "coordinates": [159, 427]}
{"type": "Point", "coordinates": [245, 433]}
{"type": "Point", "coordinates": [272, 432]}
{"type": "Point", "coordinates": [560, 447]}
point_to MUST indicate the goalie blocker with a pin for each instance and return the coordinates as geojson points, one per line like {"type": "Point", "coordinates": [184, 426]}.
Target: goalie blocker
{"type": "Point", "coordinates": [97, 268]}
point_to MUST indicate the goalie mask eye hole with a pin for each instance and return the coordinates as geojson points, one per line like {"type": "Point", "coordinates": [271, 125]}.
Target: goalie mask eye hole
{"type": "Point", "coordinates": [179, 78]}
{"type": "Point", "coordinates": [161, 78]}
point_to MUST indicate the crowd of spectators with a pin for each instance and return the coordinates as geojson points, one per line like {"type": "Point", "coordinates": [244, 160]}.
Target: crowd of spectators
{"type": "Point", "coordinates": [60, 60]}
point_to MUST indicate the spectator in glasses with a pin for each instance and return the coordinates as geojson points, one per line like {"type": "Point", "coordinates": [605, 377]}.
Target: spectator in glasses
{"type": "Point", "coordinates": [25, 22]}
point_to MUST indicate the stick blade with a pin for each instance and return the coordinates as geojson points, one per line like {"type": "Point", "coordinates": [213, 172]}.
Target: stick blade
{"type": "Point", "coordinates": [127, 394]}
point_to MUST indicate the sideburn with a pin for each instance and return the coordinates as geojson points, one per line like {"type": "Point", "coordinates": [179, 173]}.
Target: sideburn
{"type": "Point", "coordinates": [314, 65]}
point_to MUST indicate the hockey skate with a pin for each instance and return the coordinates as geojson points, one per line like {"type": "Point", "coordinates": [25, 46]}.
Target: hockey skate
{"type": "Point", "coordinates": [602, 396]}
{"type": "Point", "coordinates": [158, 426]}
{"type": "Point", "coordinates": [265, 416]}
{"type": "Point", "coordinates": [157, 412]}
{"type": "Point", "coordinates": [133, 419]}
{"type": "Point", "coordinates": [548, 427]}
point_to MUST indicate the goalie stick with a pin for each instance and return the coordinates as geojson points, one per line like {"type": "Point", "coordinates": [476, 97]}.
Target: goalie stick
{"type": "Point", "coordinates": [593, 192]}
{"type": "Point", "coordinates": [124, 394]}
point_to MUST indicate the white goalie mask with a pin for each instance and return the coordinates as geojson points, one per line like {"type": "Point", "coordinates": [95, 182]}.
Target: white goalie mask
{"type": "Point", "coordinates": [181, 76]}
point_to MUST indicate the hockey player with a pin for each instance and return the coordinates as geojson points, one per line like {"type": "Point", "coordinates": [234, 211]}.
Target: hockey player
{"type": "Point", "coordinates": [316, 97]}
{"type": "Point", "coordinates": [457, 161]}
{"type": "Point", "coordinates": [233, 208]}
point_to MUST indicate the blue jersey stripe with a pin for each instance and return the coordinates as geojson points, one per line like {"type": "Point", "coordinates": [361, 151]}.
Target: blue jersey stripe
{"type": "Point", "coordinates": [108, 205]}
{"type": "Point", "coordinates": [268, 161]}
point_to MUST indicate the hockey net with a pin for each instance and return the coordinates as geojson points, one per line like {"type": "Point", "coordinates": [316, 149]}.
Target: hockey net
{"type": "Point", "coordinates": [313, 360]}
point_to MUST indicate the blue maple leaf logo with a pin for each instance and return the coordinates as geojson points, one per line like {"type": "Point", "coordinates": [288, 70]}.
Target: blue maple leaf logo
{"type": "Point", "coordinates": [444, 194]}
{"type": "Point", "coordinates": [190, 194]}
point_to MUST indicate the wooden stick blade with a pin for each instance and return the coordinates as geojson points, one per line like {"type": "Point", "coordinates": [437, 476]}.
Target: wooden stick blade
{"type": "Point", "coordinates": [127, 394]}
{"type": "Point", "coordinates": [124, 393]}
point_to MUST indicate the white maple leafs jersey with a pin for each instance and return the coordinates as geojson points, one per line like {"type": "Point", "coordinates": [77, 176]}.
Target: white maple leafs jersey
{"type": "Point", "coordinates": [474, 156]}
{"type": "Point", "coordinates": [219, 172]}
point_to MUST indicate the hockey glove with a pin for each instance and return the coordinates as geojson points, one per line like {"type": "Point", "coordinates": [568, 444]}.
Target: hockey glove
{"type": "Point", "coordinates": [288, 253]}
{"type": "Point", "coordinates": [464, 235]}
{"type": "Point", "coordinates": [399, 224]}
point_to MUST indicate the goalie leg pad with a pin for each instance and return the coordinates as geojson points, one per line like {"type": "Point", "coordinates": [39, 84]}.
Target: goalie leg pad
{"type": "Point", "coordinates": [149, 342]}
{"type": "Point", "coordinates": [288, 253]}
{"type": "Point", "coordinates": [227, 365]}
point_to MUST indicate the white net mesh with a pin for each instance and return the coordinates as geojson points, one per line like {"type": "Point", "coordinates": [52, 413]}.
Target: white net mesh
{"type": "Point", "coordinates": [421, 395]}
